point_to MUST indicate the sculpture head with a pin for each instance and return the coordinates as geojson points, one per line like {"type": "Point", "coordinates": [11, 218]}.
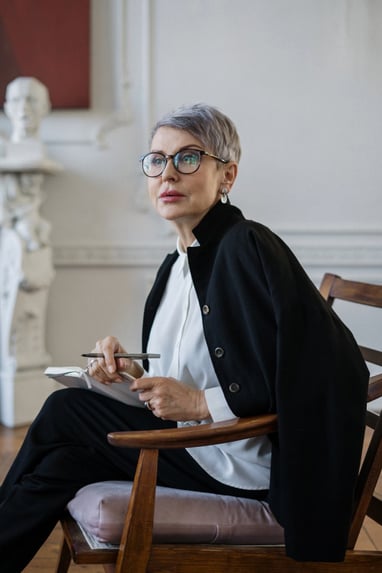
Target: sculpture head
{"type": "Point", "coordinates": [26, 103]}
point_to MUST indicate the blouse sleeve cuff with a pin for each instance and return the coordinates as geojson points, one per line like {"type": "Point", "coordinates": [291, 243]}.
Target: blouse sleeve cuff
{"type": "Point", "coordinates": [217, 405]}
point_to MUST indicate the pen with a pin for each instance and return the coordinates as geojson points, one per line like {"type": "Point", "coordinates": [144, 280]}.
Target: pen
{"type": "Point", "coordinates": [137, 355]}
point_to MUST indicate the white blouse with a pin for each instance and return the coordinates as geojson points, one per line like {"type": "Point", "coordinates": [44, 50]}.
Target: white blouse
{"type": "Point", "coordinates": [177, 334]}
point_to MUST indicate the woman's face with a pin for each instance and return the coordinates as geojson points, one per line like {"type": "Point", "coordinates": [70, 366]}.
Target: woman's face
{"type": "Point", "coordinates": [185, 199]}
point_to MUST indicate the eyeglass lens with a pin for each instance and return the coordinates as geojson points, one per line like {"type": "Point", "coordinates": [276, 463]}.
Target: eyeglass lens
{"type": "Point", "coordinates": [185, 161]}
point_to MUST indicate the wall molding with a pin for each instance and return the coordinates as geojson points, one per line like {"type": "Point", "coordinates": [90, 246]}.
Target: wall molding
{"type": "Point", "coordinates": [342, 248]}
{"type": "Point", "coordinates": [109, 255]}
{"type": "Point", "coordinates": [319, 249]}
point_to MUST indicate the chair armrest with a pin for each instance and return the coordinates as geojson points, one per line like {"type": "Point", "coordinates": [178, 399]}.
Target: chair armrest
{"type": "Point", "coordinates": [199, 435]}
{"type": "Point", "coordinates": [136, 542]}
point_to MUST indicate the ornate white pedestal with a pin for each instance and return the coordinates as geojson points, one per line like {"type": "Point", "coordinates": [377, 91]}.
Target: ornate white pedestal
{"type": "Point", "coordinates": [22, 394]}
{"type": "Point", "coordinates": [26, 272]}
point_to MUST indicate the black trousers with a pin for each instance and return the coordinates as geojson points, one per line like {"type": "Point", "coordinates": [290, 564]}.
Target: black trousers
{"type": "Point", "coordinates": [66, 448]}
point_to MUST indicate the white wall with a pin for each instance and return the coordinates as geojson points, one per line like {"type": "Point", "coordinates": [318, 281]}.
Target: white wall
{"type": "Point", "coordinates": [301, 79]}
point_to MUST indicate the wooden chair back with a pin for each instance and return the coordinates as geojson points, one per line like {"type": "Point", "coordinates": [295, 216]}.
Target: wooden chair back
{"type": "Point", "coordinates": [333, 288]}
{"type": "Point", "coordinates": [138, 554]}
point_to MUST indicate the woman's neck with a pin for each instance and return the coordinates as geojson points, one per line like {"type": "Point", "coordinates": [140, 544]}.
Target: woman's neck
{"type": "Point", "coordinates": [185, 235]}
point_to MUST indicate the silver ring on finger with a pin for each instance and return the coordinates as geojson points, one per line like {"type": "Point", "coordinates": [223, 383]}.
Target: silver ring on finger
{"type": "Point", "coordinates": [148, 405]}
{"type": "Point", "coordinates": [90, 364]}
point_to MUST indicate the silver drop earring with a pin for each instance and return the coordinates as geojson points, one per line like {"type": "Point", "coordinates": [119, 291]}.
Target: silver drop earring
{"type": "Point", "coordinates": [224, 196]}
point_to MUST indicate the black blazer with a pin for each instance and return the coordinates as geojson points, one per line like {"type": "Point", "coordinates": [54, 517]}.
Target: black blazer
{"type": "Point", "coordinates": [277, 346]}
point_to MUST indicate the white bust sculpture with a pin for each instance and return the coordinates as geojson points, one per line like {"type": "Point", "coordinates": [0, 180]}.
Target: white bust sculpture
{"type": "Point", "coordinates": [27, 102]}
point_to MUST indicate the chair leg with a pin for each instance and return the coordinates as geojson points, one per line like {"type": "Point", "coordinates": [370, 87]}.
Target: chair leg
{"type": "Point", "coordinates": [65, 558]}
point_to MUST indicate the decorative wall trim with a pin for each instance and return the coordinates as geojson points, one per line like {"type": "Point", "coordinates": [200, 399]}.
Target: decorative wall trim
{"type": "Point", "coordinates": [315, 250]}
{"type": "Point", "coordinates": [341, 248]}
{"type": "Point", "coordinates": [146, 66]}
{"type": "Point", "coordinates": [110, 256]}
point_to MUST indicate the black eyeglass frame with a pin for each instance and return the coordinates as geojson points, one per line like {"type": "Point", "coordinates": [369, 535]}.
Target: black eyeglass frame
{"type": "Point", "coordinates": [201, 153]}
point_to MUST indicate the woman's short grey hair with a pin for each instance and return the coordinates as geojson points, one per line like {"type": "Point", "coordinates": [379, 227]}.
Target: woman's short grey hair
{"type": "Point", "coordinates": [215, 131]}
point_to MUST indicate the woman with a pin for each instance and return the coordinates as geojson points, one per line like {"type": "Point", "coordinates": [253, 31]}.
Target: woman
{"type": "Point", "coordinates": [241, 330]}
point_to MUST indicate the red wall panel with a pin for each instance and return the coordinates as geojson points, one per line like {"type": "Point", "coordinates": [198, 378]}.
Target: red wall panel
{"type": "Point", "coordinates": [49, 40]}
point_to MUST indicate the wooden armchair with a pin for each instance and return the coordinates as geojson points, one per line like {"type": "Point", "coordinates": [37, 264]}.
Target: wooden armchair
{"type": "Point", "coordinates": [137, 551]}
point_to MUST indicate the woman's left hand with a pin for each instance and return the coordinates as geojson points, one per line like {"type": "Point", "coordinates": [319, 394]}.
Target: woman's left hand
{"type": "Point", "coordinates": [170, 399]}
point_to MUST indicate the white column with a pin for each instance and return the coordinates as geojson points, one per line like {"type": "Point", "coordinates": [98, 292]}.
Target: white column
{"type": "Point", "coordinates": [26, 268]}
{"type": "Point", "coordinates": [26, 273]}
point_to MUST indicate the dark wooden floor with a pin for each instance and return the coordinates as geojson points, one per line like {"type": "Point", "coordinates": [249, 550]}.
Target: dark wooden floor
{"type": "Point", "coordinates": [46, 558]}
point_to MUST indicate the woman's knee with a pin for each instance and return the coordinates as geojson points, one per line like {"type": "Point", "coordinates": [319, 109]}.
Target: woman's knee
{"type": "Point", "coordinates": [63, 400]}
{"type": "Point", "coordinates": [57, 410]}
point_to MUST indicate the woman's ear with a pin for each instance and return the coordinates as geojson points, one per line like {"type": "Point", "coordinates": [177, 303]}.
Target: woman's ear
{"type": "Point", "coordinates": [230, 173]}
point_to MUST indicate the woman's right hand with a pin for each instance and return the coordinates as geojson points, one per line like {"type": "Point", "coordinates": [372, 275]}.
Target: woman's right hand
{"type": "Point", "coordinates": [106, 369]}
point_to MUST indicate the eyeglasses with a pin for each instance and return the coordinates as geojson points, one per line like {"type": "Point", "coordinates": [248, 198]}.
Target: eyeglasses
{"type": "Point", "coordinates": [185, 161]}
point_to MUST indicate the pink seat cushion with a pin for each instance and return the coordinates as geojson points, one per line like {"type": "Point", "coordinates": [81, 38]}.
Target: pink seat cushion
{"type": "Point", "coordinates": [180, 516]}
